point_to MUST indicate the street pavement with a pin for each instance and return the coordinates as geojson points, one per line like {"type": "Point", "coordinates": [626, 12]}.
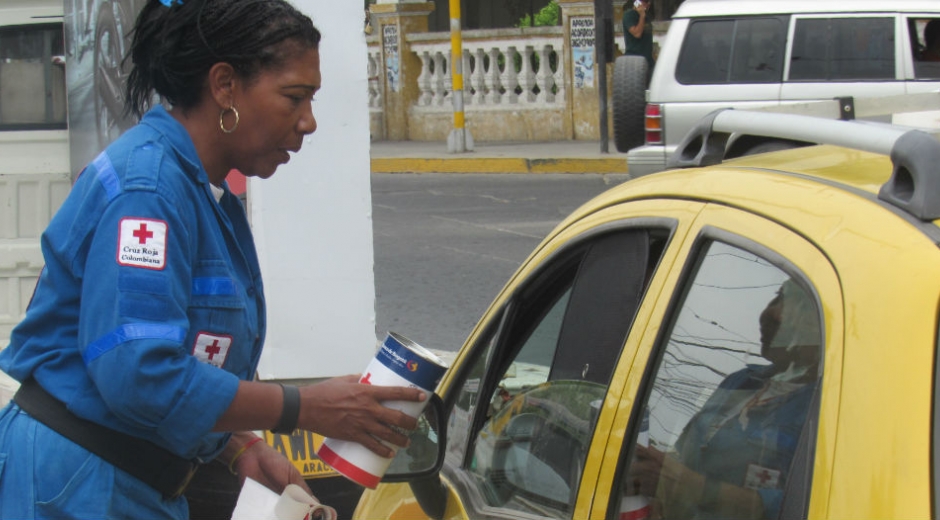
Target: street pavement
{"type": "Point", "coordinates": [445, 244]}
{"type": "Point", "coordinates": [497, 157]}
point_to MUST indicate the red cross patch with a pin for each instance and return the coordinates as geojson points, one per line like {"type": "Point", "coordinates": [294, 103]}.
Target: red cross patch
{"type": "Point", "coordinates": [212, 348]}
{"type": "Point", "coordinates": [142, 243]}
{"type": "Point", "coordinates": [759, 477]}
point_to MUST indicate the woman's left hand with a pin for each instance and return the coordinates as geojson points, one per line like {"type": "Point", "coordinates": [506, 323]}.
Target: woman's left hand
{"type": "Point", "coordinates": [268, 467]}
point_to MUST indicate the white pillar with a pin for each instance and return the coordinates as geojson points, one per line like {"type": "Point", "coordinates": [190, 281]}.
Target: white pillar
{"type": "Point", "coordinates": [312, 221]}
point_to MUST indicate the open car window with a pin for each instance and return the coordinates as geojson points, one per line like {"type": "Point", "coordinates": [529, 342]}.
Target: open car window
{"type": "Point", "coordinates": [529, 401]}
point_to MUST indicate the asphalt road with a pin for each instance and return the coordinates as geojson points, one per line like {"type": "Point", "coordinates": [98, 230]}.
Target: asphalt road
{"type": "Point", "coordinates": [445, 244]}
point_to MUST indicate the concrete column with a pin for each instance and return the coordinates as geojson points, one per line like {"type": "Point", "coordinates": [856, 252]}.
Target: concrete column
{"type": "Point", "coordinates": [581, 75]}
{"type": "Point", "coordinates": [400, 67]}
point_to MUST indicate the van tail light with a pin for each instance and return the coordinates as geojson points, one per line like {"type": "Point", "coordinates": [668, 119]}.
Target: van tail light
{"type": "Point", "coordinates": [654, 124]}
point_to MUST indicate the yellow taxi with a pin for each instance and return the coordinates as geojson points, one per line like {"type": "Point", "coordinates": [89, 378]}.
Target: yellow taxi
{"type": "Point", "coordinates": [750, 339]}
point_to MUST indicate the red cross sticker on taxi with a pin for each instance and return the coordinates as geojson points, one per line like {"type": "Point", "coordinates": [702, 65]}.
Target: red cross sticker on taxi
{"type": "Point", "coordinates": [212, 348]}
{"type": "Point", "coordinates": [142, 243]}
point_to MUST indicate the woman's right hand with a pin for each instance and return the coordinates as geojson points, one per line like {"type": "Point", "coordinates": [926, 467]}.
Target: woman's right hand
{"type": "Point", "coordinates": [645, 470]}
{"type": "Point", "coordinates": [343, 408]}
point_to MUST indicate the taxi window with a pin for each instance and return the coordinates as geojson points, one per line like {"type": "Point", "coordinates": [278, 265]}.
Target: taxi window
{"type": "Point", "coordinates": [547, 368]}
{"type": "Point", "coordinates": [732, 396]}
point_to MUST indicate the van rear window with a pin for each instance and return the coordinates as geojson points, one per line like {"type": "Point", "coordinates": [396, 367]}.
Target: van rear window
{"type": "Point", "coordinates": [32, 77]}
{"type": "Point", "coordinates": [746, 50]}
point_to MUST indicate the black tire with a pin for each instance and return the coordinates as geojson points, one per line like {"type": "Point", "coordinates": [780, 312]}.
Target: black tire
{"type": "Point", "coordinates": [769, 146]}
{"type": "Point", "coordinates": [629, 102]}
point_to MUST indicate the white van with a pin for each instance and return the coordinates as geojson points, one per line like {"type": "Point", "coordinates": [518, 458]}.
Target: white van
{"type": "Point", "coordinates": [748, 54]}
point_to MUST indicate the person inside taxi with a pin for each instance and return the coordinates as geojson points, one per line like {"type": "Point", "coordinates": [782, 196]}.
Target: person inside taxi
{"type": "Point", "coordinates": [733, 458]}
{"type": "Point", "coordinates": [138, 351]}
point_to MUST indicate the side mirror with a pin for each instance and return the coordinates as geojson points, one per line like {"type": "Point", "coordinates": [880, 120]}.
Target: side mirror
{"type": "Point", "coordinates": [420, 463]}
{"type": "Point", "coordinates": [425, 452]}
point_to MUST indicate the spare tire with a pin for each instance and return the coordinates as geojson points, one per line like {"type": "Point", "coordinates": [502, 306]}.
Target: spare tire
{"type": "Point", "coordinates": [629, 101]}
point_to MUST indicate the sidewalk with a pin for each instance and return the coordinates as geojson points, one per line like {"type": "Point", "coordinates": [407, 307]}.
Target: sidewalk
{"type": "Point", "coordinates": [493, 157]}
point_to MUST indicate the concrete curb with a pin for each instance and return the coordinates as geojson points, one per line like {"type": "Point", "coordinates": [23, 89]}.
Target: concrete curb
{"type": "Point", "coordinates": [499, 165]}
{"type": "Point", "coordinates": [496, 157]}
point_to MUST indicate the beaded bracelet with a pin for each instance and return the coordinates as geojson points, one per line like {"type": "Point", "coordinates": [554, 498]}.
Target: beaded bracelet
{"type": "Point", "coordinates": [241, 451]}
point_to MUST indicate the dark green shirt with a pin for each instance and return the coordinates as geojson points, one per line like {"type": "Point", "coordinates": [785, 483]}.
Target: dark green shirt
{"type": "Point", "coordinates": [642, 46]}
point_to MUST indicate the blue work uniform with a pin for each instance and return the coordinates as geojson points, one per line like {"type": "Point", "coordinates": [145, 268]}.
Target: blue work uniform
{"type": "Point", "coordinates": [755, 453]}
{"type": "Point", "coordinates": [148, 312]}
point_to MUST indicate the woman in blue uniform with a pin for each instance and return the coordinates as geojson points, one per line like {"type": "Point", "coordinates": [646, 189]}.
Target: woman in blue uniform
{"type": "Point", "coordinates": [138, 350]}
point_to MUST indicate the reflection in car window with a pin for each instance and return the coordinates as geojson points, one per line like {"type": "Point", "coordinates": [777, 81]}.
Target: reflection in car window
{"type": "Point", "coordinates": [733, 51]}
{"type": "Point", "coordinates": [730, 396]}
{"type": "Point", "coordinates": [468, 397]}
{"type": "Point", "coordinates": [549, 371]}
{"type": "Point", "coordinates": [843, 49]}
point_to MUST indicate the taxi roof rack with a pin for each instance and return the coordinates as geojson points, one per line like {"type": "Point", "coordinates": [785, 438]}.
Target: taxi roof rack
{"type": "Point", "coordinates": [914, 185]}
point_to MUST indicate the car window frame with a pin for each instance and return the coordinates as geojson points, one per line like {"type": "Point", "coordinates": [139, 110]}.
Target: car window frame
{"type": "Point", "coordinates": [694, 260]}
{"type": "Point", "coordinates": [726, 223]}
{"type": "Point", "coordinates": [458, 477]}
{"type": "Point", "coordinates": [935, 428]}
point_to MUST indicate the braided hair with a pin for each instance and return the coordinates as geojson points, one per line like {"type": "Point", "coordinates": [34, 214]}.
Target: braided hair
{"type": "Point", "coordinates": [174, 47]}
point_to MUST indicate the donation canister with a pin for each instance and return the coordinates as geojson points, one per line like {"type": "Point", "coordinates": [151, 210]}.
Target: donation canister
{"type": "Point", "coordinates": [398, 362]}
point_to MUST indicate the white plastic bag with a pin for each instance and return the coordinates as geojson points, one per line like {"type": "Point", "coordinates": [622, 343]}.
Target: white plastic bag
{"type": "Point", "coordinates": [256, 502]}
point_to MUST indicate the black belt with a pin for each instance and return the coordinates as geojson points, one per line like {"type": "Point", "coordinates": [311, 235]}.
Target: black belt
{"type": "Point", "coordinates": [158, 468]}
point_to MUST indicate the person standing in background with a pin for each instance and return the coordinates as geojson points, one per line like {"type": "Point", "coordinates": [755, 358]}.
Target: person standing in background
{"type": "Point", "coordinates": [638, 31]}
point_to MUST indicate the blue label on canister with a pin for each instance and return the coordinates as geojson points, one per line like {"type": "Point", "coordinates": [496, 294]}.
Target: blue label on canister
{"type": "Point", "coordinates": [410, 365]}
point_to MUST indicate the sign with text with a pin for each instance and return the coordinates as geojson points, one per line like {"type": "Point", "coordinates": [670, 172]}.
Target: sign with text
{"type": "Point", "coordinates": [390, 45]}
{"type": "Point", "coordinates": [582, 50]}
{"type": "Point", "coordinates": [301, 448]}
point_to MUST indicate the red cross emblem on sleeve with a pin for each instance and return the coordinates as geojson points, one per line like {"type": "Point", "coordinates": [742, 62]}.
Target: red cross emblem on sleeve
{"type": "Point", "coordinates": [142, 243]}
{"type": "Point", "coordinates": [212, 348]}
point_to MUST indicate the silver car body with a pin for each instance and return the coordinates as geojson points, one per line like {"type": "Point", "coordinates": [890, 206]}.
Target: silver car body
{"type": "Point", "coordinates": [682, 105]}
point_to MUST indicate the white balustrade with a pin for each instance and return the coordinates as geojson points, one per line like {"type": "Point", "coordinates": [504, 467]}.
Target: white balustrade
{"type": "Point", "coordinates": [439, 77]}
{"type": "Point", "coordinates": [375, 72]}
{"type": "Point", "coordinates": [503, 69]}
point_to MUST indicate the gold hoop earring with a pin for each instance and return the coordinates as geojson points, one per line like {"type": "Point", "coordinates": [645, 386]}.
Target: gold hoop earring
{"type": "Point", "coordinates": [222, 120]}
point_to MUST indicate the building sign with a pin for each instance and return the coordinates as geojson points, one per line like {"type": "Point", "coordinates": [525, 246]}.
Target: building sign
{"type": "Point", "coordinates": [301, 448]}
{"type": "Point", "coordinates": [582, 50]}
{"type": "Point", "coordinates": [390, 46]}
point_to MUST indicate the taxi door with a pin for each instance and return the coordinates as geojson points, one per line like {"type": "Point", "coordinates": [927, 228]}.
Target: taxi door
{"type": "Point", "coordinates": [523, 397]}
{"type": "Point", "coordinates": [728, 408]}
